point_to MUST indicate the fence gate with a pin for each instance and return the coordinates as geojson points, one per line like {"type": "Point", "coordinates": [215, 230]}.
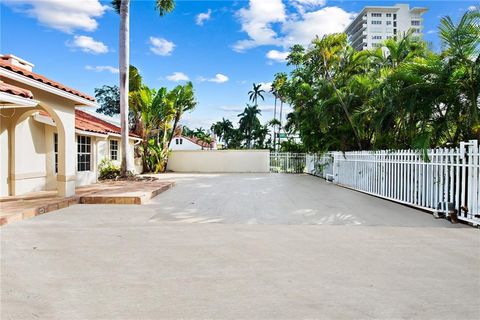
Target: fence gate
{"type": "Point", "coordinates": [444, 181]}
{"type": "Point", "coordinates": [285, 162]}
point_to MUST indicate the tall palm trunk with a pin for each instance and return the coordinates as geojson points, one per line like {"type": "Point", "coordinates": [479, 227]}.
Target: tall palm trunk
{"type": "Point", "coordinates": [275, 118]}
{"type": "Point", "coordinates": [281, 115]}
{"type": "Point", "coordinates": [124, 57]}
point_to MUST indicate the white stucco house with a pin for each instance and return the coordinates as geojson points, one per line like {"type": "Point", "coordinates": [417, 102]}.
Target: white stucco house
{"type": "Point", "coordinates": [46, 142]}
{"type": "Point", "coordinates": [180, 142]}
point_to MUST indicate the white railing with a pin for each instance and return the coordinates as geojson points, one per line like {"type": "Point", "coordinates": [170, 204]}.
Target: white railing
{"type": "Point", "coordinates": [446, 182]}
{"type": "Point", "coordinates": [286, 162]}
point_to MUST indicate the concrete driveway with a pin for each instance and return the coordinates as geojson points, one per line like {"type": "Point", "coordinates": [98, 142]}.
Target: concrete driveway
{"type": "Point", "coordinates": [241, 246]}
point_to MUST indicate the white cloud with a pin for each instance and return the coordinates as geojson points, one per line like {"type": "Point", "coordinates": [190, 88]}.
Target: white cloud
{"type": "Point", "coordinates": [219, 78]}
{"type": "Point", "coordinates": [102, 68]}
{"type": "Point", "coordinates": [202, 17]}
{"type": "Point", "coordinates": [431, 31]}
{"type": "Point", "coordinates": [232, 108]}
{"type": "Point", "coordinates": [161, 46]}
{"type": "Point", "coordinates": [306, 5]}
{"type": "Point", "coordinates": [257, 21]}
{"type": "Point", "coordinates": [277, 56]}
{"type": "Point", "coordinates": [65, 16]}
{"type": "Point", "coordinates": [472, 8]}
{"type": "Point", "coordinates": [267, 86]}
{"type": "Point", "coordinates": [178, 76]}
{"type": "Point", "coordinates": [88, 44]}
{"type": "Point", "coordinates": [267, 22]}
{"type": "Point", "coordinates": [321, 22]}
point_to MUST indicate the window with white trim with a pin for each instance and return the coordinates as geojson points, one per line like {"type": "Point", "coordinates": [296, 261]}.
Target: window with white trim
{"type": "Point", "coordinates": [377, 37]}
{"type": "Point", "coordinates": [415, 23]}
{"type": "Point", "coordinates": [389, 15]}
{"type": "Point", "coordinates": [376, 22]}
{"type": "Point", "coordinates": [84, 153]}
{"type": "Point", "coordinates": [55, 150]}
{"type": "Point", "coordinates": [113, 149]}
{"type": "Point", "coordinates": [389, 23]}
{"type": "Point", "coordinates": [377, 15]}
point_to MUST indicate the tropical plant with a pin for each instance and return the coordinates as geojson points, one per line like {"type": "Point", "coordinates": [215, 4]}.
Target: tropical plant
{"type": "Point", "coordinates": [248, 123]}
{"type": "Point", "coordinates": [400, 96]}
{"type": "Point", "coordinates": [107, 169]}
{"type": "Point", "coordinates": [255, 93]}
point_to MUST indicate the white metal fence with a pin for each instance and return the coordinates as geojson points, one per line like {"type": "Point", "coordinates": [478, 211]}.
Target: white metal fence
{"type": "Point", "coordinates": [446, 182]}
{"type": "Point", "coordinates": [285, 162]}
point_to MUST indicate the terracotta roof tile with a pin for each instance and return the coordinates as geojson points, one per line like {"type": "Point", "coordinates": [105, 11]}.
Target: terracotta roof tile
{"type": "Point", "coordinates": [17, 91]}
{"type": "Point", "coordinates": [40, 78]}
{"type": "Point", "coordinates": [87, 122]}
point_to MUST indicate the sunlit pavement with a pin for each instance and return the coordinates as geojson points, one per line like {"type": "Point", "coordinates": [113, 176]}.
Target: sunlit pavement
{"type": "Point", "coordinates": [241, 246]}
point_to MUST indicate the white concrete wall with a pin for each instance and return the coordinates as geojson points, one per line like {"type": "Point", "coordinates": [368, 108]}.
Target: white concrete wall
{"type": "Point", "coordinates": [220, 161]}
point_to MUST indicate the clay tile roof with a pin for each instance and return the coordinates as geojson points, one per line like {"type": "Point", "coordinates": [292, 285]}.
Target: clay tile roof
{"type": "Point", "coordinates": [87, 122]}
{"type": "Point", "coordinates": [40, 78]}
{"type": "Point", "coordinates": [16, 91]}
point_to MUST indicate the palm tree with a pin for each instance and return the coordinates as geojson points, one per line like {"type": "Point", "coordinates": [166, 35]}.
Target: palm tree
{"type": "Point", "coordinates": [206, 139]}
{"type": "Point", "coordinates": [183, 99]}
{"type": "Point", "coordinates": [462, 52]}
{"type": "Point", "coordinates": [249, 122]}
{"type": "Point", "coordinates": [222, 129]}
{"type": "Point", "coordinates": [199, 132]}
{"type": "Point", "coordinates": [123, 8]}
{"type": "Point", "coordinates": [278, 86]}
{"type": "Point", "coordinates": [255, 93]}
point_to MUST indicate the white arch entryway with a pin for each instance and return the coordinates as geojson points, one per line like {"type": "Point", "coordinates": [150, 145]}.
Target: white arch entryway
{"type": "Point", "coordinates": [28, 151]}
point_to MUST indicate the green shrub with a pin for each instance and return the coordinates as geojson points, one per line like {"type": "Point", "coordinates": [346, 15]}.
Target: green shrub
{"type": "Point", "coordinates": [108, 170]}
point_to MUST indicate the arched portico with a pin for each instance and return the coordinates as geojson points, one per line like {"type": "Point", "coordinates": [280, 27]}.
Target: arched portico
{"type": "Point", "coordinates": [25, 171]}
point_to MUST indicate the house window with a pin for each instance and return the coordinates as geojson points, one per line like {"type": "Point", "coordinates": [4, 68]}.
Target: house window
{"type": "Point", "coordinates": [415, 23]}
{"type": "Point", "coordinates": [376, 45]}
{"type": "Point", "coordinates": [178, 141]}
{"type": "Point", "coordinates": [389, 23]}
{"type": "Point", "coordinates": [181, 141]}
{"type": "Point", "coordinates": [84, 153]}
{"type": "Point", "coordinates": [55, 150]}
{"type": "Point", "coordinates": [377, 15]}
{"type": "Point", "coordinates": [376, 22]}
{"type": "Point", "coordinates": [389, 15]}
{"type": "Point", "coordinates": [377, 37]}
{"type": "Point", "coordinates": [113, 150]}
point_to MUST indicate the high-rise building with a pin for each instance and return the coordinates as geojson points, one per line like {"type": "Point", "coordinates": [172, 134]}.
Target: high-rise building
{"type": "Point", "coordinates": [376, 24]}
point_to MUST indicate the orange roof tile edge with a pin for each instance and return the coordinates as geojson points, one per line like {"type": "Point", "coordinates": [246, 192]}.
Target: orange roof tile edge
{"type": "Point", "coordinates": [44, 80]}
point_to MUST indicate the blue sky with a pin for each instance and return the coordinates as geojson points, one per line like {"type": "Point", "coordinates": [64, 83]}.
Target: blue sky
{"type": "Point", "coordinates": [221, 46]}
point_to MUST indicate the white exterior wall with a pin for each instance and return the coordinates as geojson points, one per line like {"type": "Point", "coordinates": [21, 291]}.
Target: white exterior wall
{"type": "Point", "coordinates": [30, 159]}
{"type": "Point", "coordinates": [100, 146]}
{"type": "Point", "coordinates": [185, 145]}
{"type": "Point", "coordinates": [35, 157]}
{"type": "Point", "coordinates": [220, 161]}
